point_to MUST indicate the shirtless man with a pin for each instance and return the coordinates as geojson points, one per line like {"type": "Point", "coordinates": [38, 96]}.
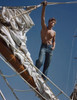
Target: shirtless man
{"type": "Point", "coordinates": [48, 42]}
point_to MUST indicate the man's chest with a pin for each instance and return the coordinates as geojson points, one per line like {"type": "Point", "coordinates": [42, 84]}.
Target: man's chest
{"type": "Point", "coordinates": [49, 33]}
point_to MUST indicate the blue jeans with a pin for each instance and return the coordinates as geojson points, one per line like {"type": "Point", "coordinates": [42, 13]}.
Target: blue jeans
{"type": "Point", "coordinates": [45, 51]}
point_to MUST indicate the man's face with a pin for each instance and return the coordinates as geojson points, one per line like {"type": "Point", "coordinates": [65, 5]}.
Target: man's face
{"type": "Point", "coordinates": [52, 23]}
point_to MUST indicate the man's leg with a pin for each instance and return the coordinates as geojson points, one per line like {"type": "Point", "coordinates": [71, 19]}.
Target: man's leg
{"type": "Point", "coordinates": [39, 61]}
{"type": "Point", "coordinates": [48, 57]}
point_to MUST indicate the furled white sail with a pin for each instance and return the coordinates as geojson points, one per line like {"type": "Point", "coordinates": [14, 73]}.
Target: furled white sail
{"type": "Point", "coordinates": [13, 30]}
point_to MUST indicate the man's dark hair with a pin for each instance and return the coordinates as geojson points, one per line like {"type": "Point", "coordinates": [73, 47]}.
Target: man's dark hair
{"type": "Point", "coordinates": [52, 19]}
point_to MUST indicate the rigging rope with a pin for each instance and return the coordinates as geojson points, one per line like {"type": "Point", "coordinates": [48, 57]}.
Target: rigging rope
{"type": "Point", "coordinates": [37, 6]}
{"type": "Point", "coordinates": [2, 95]}
{"type": "Point", "coordinates": [56, 3]}
{"type": "Point", "coordinates": [15, 89]}
{"type": "Point", "coordinates": [10, 66]}
{"type": "Point", "coordinates": [48, 3]}
{"type": "Point", "coordinates": [41, 72]}
{"type": "Point", "coordinates": [9, 86]}
{"type": "Point", "coordinates": [23, 90]}
{"type": "Point", "coordinates": [34, 7]}
{"type": "Point", "coordinates": [27, 83]}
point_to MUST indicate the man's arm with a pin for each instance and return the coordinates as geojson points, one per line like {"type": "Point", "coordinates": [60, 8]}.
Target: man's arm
{"type": "Point", "coordinates": [43, 15]}
{"type": "Point", "coordinates": [53, 42]}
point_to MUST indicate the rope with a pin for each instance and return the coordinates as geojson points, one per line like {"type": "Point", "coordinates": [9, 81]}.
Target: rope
{"type": "Point", "coordinates": [9, 86]}
{"type": "Point", "coordinates": [48, 3]}
{"type": "Point", "coordinates": [23, 90]}
{"type": "Point", "coordinates": [16, 89]}
{"type": "Point", "coordinates": [26, 82]}
{"type": "Point", "coordinates": [27, 11]}
{"type": "Point", "coordinates": [18, 74]}
{"type": "Point", "coordinates": [2, 95]}
{"type": "Point", "coordinates": [56, 3]}
{"type": "Point", "coordinates": [20, 7]}
{"type": "Point", "coordinates": [10, 66]}
{"type": "Point", "coordinates": [59, 94]}
{"type": "Point", "coordinates": [12, 76]}
{"type": "Point", "coordinates": [41, 72]}
{"type": "Point", "coordinates": [36, 6]}
{"type": "Point", "coordinates": [34, 89]}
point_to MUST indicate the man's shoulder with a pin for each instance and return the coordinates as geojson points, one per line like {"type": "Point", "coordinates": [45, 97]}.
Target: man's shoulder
{"type": "Point", "coordinates": [54, 32]}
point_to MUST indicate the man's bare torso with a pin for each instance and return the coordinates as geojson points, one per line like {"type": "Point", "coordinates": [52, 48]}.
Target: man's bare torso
{"type": "Point", "coordinates": [47, 36]}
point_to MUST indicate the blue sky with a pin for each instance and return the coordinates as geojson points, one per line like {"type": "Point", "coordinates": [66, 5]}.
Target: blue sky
{"type": "Point", "coordinates": [62, 70]}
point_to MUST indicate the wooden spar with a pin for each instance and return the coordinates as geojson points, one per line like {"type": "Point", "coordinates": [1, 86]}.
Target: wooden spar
{"type": "Point", "coordinates": [4, 50]}
{"type": "Point", "coordinates": [15, 63]}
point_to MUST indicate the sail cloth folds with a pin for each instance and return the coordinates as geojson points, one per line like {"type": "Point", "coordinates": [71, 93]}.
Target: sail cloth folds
{"type": "Point", "coordinates": [13, 31]}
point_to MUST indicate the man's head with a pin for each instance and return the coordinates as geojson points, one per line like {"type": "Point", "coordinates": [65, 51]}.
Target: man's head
{"type": "Point", "coordinates": [51, 22]}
